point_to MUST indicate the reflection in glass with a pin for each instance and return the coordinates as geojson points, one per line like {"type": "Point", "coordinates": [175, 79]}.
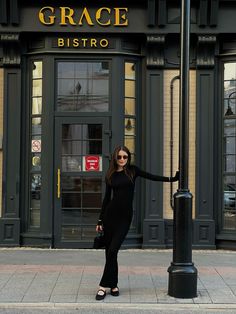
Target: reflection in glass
{"type": "Point", "coordinates": [129, 126]}
{"type": "Point", "coordinates": [36, 126]}
{"type": "Point", "coordinates": [35, 140]}
{"type": "Point", "coordinates": [37, 88]}
{"type": "Point", "coordinates": [83, 86]}
{"type": "Point", "coordinates": [129, 88]}
{"type": "Point", "coordinates": [230, 144]}
{"type": "Point", "coordinates": [93, 147]}
{"type": "Point", "coordinates": [129, 70]}
{"type": "Point", "coordinates": [230, 220]}
{"type": "Point", "coordinates": [229, 109]}
{"type": "Point", "coordinates": [81, 196]}
{"type": "Point", "coordinates": [130, 143]}
{"type": "Point", "coordinates": [229, 148]}
{"type": "Point", "coordinates": [37, 69]}
{"type": "Point", "coordinates": [133, 159]}
{"type": "Point", "coordinates": [229, 86]}
{"type": "Point", "coordinates": [129, 106]}
{"type": "Point", "coordinates": [71, 233]}
{"type": "Point", "coordinates": [35, 217]}
{"type": "Point", "coordinates": [71, 216]}
{"type": "Point", "coordinates": [71, 147]}
{"type": "Point", "coordinates": [81, 131]}
{"type": "Point", "coordinates": [230, 71]}
{"type": "Point", "coordinates": [92, 200]}
{"type": "Point", "coordinates": [229, 161]}
{"type": "Point", "coordinates": [230, 183]}
{"type": "Point", "coordinates": [66, 87]}
{"type": "Point", "coordinates": [90, 216]}
{"type": "Point", "coordinates": [37, 105]}
{"type": "Point", "coordinates": [35, 200]}
{"type": "Point", "coordinates": [229, 203]}
{"type": "Point", "coordinates": [71, 163]}
{"type": "Point", "coordinates": [66, 69]}
{"type": "Point", "coordinates": [94, 131]}
{"type": "Point", "coordinates": [88, 233]}
{"type": "Point", "coordinates": [69, 184]}
{"type": "Point", "coordinates": [71, 200]}
{"type": "Point", "coordinates": [72, 131]}
{"type": "Point", "coordinates": [230, 101]}
{"type": "Point", "coordinates": [91, 69]}
{"type": "Point", "coordinates": [130, 114]}
{"type": "Point", "coordinates": [80, 69]}
{"type": "Point", "coordinates": [36, 184]}
{"type": "Point", "coordinates": [92, 184]}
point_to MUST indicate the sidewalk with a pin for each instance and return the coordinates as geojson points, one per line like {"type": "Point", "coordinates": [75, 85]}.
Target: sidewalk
{"type": "Point", "coordinates": [68, 278]}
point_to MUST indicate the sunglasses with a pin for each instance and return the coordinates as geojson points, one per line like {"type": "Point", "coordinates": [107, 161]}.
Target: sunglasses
{"type": "Point", "coordinates": [122, 156]}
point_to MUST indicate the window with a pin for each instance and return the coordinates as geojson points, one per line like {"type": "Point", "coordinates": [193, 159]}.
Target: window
{"type": "Point", "coordinates": [83, 86]}
{"type": "Point", "coordinates": [229, 147]}
{"type": "Point", "coordinates": [36, 144]}
{"type": "Point", "coordinates": [130, 108]}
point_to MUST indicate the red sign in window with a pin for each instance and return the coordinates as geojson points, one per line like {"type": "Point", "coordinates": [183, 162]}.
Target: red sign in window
{"type": "Point", "coordinates": [92, 163]}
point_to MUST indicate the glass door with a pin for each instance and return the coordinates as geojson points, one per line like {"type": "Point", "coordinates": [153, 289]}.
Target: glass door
{"type": "Point", "coordinates": [81, 160]}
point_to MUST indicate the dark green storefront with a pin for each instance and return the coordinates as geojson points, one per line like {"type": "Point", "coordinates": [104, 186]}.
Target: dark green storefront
{"type": "Point", "coordinates": [80, 79]}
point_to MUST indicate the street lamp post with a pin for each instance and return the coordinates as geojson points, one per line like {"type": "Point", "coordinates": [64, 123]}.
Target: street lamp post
{"type": "Point", "coordinates": [182, 272]}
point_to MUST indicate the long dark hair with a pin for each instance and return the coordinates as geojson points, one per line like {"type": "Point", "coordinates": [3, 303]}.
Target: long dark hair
{"type": "Point", "coordinates": [114, 166]}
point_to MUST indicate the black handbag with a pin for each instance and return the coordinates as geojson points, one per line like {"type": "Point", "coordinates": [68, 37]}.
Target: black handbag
{"type": "Point", "coordinates": [99, 242]}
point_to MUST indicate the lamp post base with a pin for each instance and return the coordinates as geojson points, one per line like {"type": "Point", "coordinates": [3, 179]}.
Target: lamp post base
{"type": "Point", "coordinates": [182, 272]}
{"type": "Point", "coordinates": [182, 281]}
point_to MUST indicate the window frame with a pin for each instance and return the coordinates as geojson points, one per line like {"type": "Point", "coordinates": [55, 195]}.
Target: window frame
{"type": "Point", "coordinates": [220, 135]}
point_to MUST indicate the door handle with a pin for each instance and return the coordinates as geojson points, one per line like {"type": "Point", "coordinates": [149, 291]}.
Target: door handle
{"type": "Point", "coordinates": [58, 183]}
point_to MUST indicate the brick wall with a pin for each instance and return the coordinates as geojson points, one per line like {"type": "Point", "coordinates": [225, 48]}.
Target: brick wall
{"type": "Point", "coordinates": [168, 75]}
{"type": "Point", "coordinates": [1, 133]}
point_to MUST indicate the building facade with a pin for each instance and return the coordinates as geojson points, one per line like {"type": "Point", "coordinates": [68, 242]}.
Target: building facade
{"type": "Point", "coordinates": [78, 79]}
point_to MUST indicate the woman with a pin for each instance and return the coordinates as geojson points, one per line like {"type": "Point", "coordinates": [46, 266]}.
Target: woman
{"type": "Point", "coordinates": [116, 213]}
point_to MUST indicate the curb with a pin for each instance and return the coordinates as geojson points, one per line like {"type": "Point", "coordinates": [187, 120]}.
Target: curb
{"type": "Point", "coordinates": [102, 305]}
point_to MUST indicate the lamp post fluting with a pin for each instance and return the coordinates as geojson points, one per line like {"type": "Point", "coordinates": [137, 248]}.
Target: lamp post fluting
{"type": "Point", "coordinates": [182, 272]}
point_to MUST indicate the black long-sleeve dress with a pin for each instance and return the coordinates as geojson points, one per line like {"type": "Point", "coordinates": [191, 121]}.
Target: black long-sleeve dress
{"type": "Point", "coordinates": [116, 217]}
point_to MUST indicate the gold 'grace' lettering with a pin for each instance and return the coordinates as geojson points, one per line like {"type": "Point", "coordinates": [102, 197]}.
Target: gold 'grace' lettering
{"type": "Point", "coordinates": [98, 16]}
{"type": "Point", "coordinates": [67, 16]}
{"type": "Point", "coordinates": [51, 18]}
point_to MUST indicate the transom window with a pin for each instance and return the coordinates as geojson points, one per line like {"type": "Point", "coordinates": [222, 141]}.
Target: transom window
{"type": "Point", "coordinates": [83, 86]}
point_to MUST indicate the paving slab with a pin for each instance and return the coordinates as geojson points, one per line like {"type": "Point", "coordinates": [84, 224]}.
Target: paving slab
{"type": "Point", "coordinates": [70, 277]}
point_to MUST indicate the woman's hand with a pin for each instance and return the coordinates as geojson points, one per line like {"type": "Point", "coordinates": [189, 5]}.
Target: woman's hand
{"type": "Point", "coordinates": [99, 228]}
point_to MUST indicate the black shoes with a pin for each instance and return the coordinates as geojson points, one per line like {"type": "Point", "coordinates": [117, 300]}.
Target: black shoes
{"type": "Point", "coordinates": [115, 293]}
{"type": "Point", "coordinates": [100, 295]}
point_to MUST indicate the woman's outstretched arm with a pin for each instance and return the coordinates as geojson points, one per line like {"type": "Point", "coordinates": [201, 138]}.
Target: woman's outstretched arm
{"type": "Point", "coordinates": [153, 177]}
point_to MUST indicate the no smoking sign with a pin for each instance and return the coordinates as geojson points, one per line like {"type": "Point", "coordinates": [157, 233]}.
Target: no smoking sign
{"type": "Point", "coordinates": [36, 146]}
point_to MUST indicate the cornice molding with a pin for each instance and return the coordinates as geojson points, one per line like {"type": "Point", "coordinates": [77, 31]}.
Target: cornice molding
{"type": "Point", "coordinates": [206, 51]}
{"type": "Point", "coordinates": [155, 51]}
{"type": "Point", "coordinates": [11, 49]}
